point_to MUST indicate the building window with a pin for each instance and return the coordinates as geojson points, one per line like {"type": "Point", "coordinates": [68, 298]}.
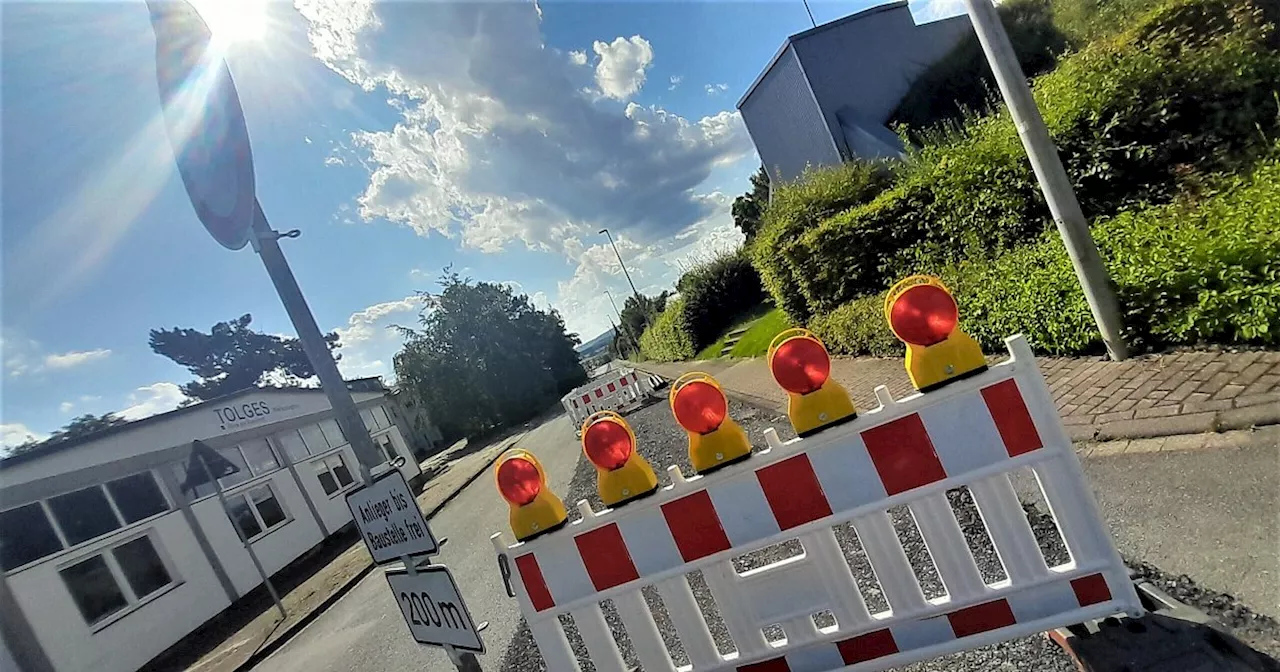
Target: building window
{"type": "Point", "coordinates": [332, 432]}
{"type": "Point", "coordinates": [599, 393]}
{"type": "Point", "coordinates": [367, 416]}
{"type": "Point", "coordinates": [316, 443]}
{"type": "Point", "coordinates": [256, 511]}
{"type": "Point", "coordinates": [233, 455]}
{"type": "Point", "coordinates": [295, 449]}
{"type": "Point", "coordinates": [31, 532]}
{"type": "Point", "coordinates": [84, 514]}
{"type": "Point", "coordinates": [380, 415]}
{"type": "Point", "coordinates": [260, 458]}
{"type": "Point", "coordinates": [333, 473]}
{"type": "Point", "coordinates": [137, 497]}
{"type": "Point", "coordinates": [385, 442]}
{"type": "Point", "coordinates": [26, 535]}
{"type": "Point", "coordinates": [116, 578]}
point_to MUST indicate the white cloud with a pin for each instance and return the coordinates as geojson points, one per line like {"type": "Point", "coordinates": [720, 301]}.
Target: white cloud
{"type": "Point", "coordinates": [924, 11]}
{"type": "Point", "coordinates": [368, 342]}
{"type": "Point", "coordinates": [13, 434]}
{"type": "Point", "coordinates": [74, 358]}
{"type": "Point", "coordinates": [152, 399]}
{"type": "Point", "coordinates": [578, 57]}
{"type": "Point", "coordinates": [675, 81]}
{"type": "Point", "coordinates": [620, 72]}
{"type": "Point", "coordinates": [504, 140]}
{"type": "Point", "coordinates": [716, 89]}
{"type": "Point", "coordinates": [497, 142]}
{"type": "Point", "coordinates": [66, 407]}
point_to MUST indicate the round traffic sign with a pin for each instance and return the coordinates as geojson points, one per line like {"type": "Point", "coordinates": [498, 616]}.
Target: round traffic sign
{"type": "Point", "coordinates": [205, 123]}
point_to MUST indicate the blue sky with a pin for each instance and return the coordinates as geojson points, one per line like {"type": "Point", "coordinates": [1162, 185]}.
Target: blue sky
{"type": "Point", "coordinates": [399, 138]}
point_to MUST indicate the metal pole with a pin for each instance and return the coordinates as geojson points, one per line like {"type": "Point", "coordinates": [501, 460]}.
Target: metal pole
{"type": "Point", "coordinates": [622, 328]}
{"type": "Point", "coordinates": [1066, 211]}
{"type": "Point", "coordinates": [244, 541]}
{"type": "Point", "coordinates": [624, 266]}
{"type": "Point", "coordinates": [265, 243]}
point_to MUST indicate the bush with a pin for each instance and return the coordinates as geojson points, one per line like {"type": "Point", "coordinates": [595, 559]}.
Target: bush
{"type": "Point", "coordinates": [714, 293]}
{"type": "Point", "coordinates": [1190, 89]}
{"type": "Point", "coordinates": [858, 328]}
{"type": "Point", "coordinates": [670, 337]}
{"type": "Point", "coordinates": [961, 82]}
{"type": "Point", "coordinates": [798, 207]}
{"type": "Point", "coordinates": [1185, 273]}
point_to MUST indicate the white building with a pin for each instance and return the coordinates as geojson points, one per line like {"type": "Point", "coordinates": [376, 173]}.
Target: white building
{"type": "Point", "coordinates": [110, 555]}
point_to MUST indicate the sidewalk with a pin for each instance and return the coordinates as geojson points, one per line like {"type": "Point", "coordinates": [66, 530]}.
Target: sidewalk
{"type": "Point", "coordinates": [343, 560]}
{"type": "Point", "coordinates": [1150, 395]}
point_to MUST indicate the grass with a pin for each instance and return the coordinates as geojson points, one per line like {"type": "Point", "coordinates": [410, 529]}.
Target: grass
{"type": "Point", "coordinates": [758, 312]}
{"type": "Point", "coordinates": [755, 342]}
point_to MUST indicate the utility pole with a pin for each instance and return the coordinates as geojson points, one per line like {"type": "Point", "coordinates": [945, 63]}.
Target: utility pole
{"type": "Point", "coordinates": [624, 266]}
{"type": "Point", "coordinates": [1052, 177]}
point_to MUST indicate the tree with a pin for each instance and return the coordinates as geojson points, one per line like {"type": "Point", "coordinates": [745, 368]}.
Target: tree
{"type": "Point", "coordinates": [749, 207]}
{"type": "Point", "coordinates": [485, 357]}
{"type": "Point", "coordinates": [82, 426]}
{"type": "Point", "coordinates": [233, 357]}
{"type": "Point", "coordinates": [637, 315]}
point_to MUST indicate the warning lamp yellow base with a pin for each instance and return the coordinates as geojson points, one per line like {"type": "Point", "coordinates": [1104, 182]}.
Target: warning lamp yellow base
{"type": "Point", "coordinates": [633, 480]}
{"type": "Point", "coordinates": [826, 406]}
{"type": "Point", "coordinates": [726, 445]}
{"type": "Point", "coordinates": [932, 366]}
{"type": "Point", "coordinates": [544, 514]}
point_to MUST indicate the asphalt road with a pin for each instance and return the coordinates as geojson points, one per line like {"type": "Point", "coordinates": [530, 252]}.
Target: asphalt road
{"type": "Point", "coordinates": [1211, 514]}
{"type": "Point", "coordinates": [365, 630]}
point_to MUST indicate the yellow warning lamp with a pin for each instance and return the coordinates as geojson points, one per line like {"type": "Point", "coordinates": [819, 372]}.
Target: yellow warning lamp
{"type": "Point", "coordinates": [701, 408]}
{"type": "Point", "coordinates": [801, 366]}
{"type": "Point", "coordinates": [923, 314]}
{"type": "Point", "coordinates": [622, 474]}
{"type": "Point", "coordinates": [522, 482]}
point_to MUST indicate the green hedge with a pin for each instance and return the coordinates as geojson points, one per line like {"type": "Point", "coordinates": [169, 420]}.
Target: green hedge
{"type": "Point", "coordinates": [1190, 89]}
{"type": "Point", "coordinates": [1185, 273]}
{"type": "Point", "coordinates": [798, 207]}
{"type": "Point", "coordinates": [714, 293]}
{"type": "Point", "coordinates": [670, 337]}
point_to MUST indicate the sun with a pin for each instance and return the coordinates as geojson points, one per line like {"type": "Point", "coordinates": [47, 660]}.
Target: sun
{"type": "Point", "coordinates": [234, 21]}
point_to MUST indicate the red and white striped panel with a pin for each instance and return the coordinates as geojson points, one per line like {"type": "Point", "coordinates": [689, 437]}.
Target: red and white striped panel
{"type": "Point", "coordinates": [948, 631]}
{"type": "Point", "coordinates": [907, 452]}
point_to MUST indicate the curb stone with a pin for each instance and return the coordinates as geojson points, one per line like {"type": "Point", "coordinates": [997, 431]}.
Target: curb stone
{"type": "Point", "coordinates": [1247, 417]}
{"type": "Point", "coordinates": [284, 638]}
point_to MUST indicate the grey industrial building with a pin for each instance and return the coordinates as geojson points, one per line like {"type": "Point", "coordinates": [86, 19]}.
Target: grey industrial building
{"type": "Point", "coordinates": [825, 96]}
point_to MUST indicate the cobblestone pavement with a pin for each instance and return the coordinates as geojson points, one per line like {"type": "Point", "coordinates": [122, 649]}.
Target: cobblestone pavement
{"type": "Point", "coordinates": [1177, 393]}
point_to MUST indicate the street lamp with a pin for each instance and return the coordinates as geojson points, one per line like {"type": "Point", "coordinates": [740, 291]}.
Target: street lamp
{"type": "Point", "coordinates": [624, 266]}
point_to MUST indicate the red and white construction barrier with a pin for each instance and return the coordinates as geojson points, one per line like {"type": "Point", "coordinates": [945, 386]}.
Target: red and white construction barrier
{"type": "Point", "coordinates": [617, 391]}
{"type": "Point", "coordinates": [972, 433]}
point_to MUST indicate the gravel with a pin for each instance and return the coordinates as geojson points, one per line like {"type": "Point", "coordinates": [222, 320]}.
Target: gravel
{"type": "Point", "coordinates": [663, 443]}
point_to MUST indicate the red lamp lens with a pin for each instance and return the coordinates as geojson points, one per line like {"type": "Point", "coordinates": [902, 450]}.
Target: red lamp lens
{"type": "Point", "coordinates": [608, 444]}
{"type": "Point", "coordinates": [700, 407]}
{"type": "Point", "coordinates": [519, 481]}
{"type": "Point", "coordinates": [801, 365]}
{"type": "Point", "coordinates": [924, 315]}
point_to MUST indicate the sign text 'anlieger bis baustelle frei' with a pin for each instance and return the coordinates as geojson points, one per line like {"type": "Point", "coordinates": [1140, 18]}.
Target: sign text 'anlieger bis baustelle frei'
{"type": "Point", "coordinates": [390, 520]}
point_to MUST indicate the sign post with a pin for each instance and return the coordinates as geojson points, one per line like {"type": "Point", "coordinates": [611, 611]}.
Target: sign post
{"type": "Point", "coordinates": [393, 528]}
{"type": "Point", "coordinates": [207, 463]}
{"type": "Point", "coordinates": [207, 129]}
